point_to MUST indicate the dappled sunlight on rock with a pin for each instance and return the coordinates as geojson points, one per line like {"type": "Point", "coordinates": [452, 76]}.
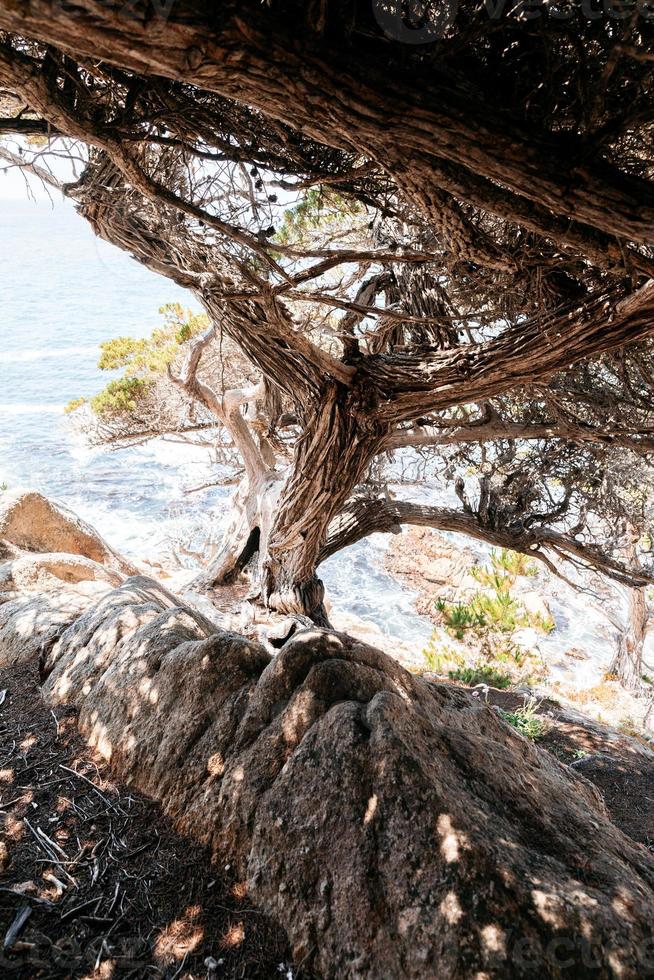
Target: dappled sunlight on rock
{"type": "Point", "coordinates": [450, 908]}
{"type": "Point", "coordinates": [147, 689]}
{"type": "Point", "coordinates": [30, 620]}
{"type": "Point", "coordinates": [548, 907]}
{"type": "Point", "coordinates": [97, 737]}
{"type": "Point", "coordinates": [216, 765]}
{"type": "Point", "coordinates": [375, 815]}
{"type": "Point", "coordinates": [451, 841]}
{"type": "Point", "coordinates": [371, 809]}
{"type": "Point", "coordinates": [298, 717]}
{"type": "Point", "coordinates": [494, 939]}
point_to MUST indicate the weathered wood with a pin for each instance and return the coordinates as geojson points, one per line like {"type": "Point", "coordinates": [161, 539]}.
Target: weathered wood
{"type": "Point", "coordinates": [526, 308]}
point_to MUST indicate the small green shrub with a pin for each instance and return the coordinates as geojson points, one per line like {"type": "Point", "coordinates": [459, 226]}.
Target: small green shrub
{"type": "Point", "coordinates": [121, 395]}
{"type": "Point", "coordinates": [320, 207]}
{"type": "Point", "coordinates": [433, 656]}
{"type": "Point", "coordinates": [483, 627]}
{"type": "Point", "coordinates": [458, 617]}
{"type": "Point", "coordinates": [142, 360]}
{"type": "Point", "coordinates": [512, 562]}
{"type": "Point", "coordinates": [73, 405]}
{"type": "Point", "coordinates": [543, 623]}
{"type": "Point", "coordinates": [526, 721]}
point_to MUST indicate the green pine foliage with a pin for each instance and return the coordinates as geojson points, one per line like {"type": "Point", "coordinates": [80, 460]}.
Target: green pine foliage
{"type": "Point", "coordinates": [142, 361]}
{"type": "Point", "coordinates": [483, 628]}
{"type": "Point", "coordinates": [119, 396]}
{"type": "Point", "coordinates": [319, 208]}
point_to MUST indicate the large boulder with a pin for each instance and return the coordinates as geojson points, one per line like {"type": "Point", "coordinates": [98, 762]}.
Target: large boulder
{"type": "Point", "coordinates": [395, 828]}
{"type": "Point", "coordinates": [431, 564]}
{"type": "Point", "coordinates": [31, 522]}
{"type": "Point", "coordinates": [42, 594]}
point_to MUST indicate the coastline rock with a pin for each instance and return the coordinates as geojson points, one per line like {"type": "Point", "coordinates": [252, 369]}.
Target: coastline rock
{"type": "Point", "coordinates": [435, 567]}
{"type": "Point", "coordinates": [30, 622]}
{"type": "Point", "coordinates": [408, 654]}
{"type": "Point", "coordinates": [42, 590]}
{"type": "Point", "coordinates": [31, 522]}
{"type": "Point", "coordinates": [396, 828]}
{"type": "Point", "coordinates": [45, 572]}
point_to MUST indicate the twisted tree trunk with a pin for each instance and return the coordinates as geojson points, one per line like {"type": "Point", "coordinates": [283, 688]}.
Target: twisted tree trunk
{"type": "Point", "coordinates": [330, 460]}
{"type": "Point", "coordinates": [283, 516]}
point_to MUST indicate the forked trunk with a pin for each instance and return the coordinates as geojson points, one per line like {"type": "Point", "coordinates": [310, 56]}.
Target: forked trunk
{"type": "Point", "coordinates": [284, 518]}
{"type": "Point", "coordinates": [288, 583]}
{"type": "Point", "coordinates": [330, 460]}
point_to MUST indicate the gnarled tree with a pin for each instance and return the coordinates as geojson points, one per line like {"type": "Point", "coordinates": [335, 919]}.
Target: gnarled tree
{"type": "Point", "coordinates": [456, 277]}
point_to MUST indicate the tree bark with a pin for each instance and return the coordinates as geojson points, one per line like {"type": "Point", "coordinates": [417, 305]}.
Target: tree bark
{"type": "Point", "coordinates": [363, 517]}
{"type": "Point", "coordinates": [331, 458]}
{"type": "Point", "coordinates": [627, 664]}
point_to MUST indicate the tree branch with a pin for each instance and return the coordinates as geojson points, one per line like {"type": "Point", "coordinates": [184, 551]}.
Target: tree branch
{"type": "Point", "coordinates": [411, 385]}
{"type": "Point", "coordinates": [20, 70]}
{"type": "Point", "coordinates": [363, 517]}
{"type": "Point", "coordinates": [425, 135]}
{"type": "Point", "coordinates": [225, 407]}
{"type": "Point", "coordinates": [449, 434]}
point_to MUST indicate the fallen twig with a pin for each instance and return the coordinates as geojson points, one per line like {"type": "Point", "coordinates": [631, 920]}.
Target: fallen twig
{"type": "Point", "coordinates": [92, 785]}
{"type": "Point", "coordinates": [14, 929]}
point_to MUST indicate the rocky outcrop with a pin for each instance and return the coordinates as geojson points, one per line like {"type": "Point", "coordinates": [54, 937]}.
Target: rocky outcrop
{"type": "Point", "coordinates": [43, 573]}
{"type": "Point", "coordinates": [30, 522]}
{"type": "Point", "coordinates": [30, 622]}
{"type": "Point", "coordinates": [52, 567]}
{"type": "Point", "coordinates": [395, 828]}
{"type": "Point", "coordinates": [432, 565]}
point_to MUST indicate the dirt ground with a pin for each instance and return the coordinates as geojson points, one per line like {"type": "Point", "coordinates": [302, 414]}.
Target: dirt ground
{"type": "Point", "coordinates": [95, 882]}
